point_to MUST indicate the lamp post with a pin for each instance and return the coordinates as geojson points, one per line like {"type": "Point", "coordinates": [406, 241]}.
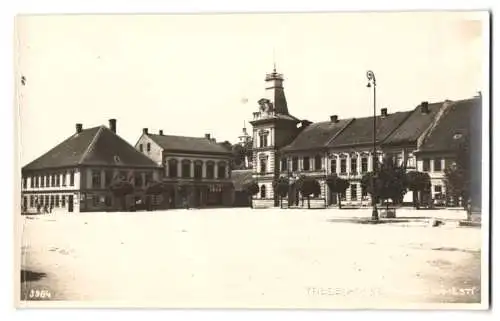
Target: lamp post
{"type": "Point", "coordinates": [372, 82]}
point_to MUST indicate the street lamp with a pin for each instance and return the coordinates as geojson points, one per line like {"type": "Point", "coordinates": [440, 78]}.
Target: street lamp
{"type": "Point", "coordinates": [372, 82]}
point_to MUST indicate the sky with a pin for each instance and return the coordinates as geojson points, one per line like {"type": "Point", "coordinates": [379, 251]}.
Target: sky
{"type": "Point", "coordinates": [195, 74]}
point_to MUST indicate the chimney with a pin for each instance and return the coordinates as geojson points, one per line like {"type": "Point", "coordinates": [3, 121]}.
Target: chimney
{"type": "Point", "coordinates": [161, 132]}
{"type": "Point", "coordinates": [79, 128]}
{"type": "Point", "coordinates": [145, 131]}
{"type": "Point", "coordinates": [383, 112]}
{"type": "Point", "coordinates": [424, 107]}
{"type": "Point", "coordinates": [334, 118]}
{"type": "Point", "coordinates": [112, 125]}
{"type": "Point", "coordinates": [213, 140]}
{"type": "Point", "coordinates": [207, 136]}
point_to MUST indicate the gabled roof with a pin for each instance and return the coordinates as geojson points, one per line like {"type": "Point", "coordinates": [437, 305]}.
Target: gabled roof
{"type": "Point", "coordinates": [93, 146]}
{"type": "Point", "coordinates": [360, 130]}
{"type": "Point", "coordinates": [316, 135]}
{"type": "Point", "coordinates": [193, 145]}
{"type": "Point", "coordinates": [453, 127]}
{"type": "Point", "coordinates": [240, 178]}
{"type": "Point", "coordinates": [414, 126]}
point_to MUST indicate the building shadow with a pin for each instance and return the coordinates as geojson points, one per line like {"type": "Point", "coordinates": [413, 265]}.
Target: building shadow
{"type": "Point", "coordinates": [28, 276]}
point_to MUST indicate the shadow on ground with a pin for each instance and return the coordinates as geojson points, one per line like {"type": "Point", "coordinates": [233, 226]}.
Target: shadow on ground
{"type": "Point", "coordinates": [29, 276]}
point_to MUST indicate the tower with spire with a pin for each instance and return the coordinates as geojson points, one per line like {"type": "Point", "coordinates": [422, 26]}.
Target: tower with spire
{"type": "Point", "coordinates": [273, 128]}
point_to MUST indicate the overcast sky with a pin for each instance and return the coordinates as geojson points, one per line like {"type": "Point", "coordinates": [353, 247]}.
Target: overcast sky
{"type": "Point", "coordinates": [191, 74]}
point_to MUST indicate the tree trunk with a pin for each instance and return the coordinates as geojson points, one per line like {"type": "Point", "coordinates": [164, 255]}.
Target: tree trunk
{"type": "Point", "coordinates": [308, 202]}
{"type": "Point", "coordinates": [250, 197]}
{"type": "Point", "coordinates": [281, 201]}
{"type": "Point", "coordinates": [415, 204]}
{"type": "Point", "coordinates": [340, 200]}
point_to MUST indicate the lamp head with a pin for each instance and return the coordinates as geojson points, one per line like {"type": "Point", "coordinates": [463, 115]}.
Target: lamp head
{"type": "Point", "coordinates": [368, 85]}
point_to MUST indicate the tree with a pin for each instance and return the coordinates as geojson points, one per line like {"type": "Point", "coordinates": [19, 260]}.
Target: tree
{"type": "Point", "coordinates": [458, 177]}
{"type": "Point", "coordinates": [251, 188]}
{"type": "Point", "coordinates": [238, 156]}
{"type": "Point", "coordinates": [337, 185]}
{"type": "Point", "coordinates": [281, 187]}
{"type": "Point", "coordinates": [121, 189]}
{"type": "Point", "coordinates": [418, 182]}
{"type": "Point", "coordinates": [389, 182]}
{"type": "Point", "coordinates": [308, 186]}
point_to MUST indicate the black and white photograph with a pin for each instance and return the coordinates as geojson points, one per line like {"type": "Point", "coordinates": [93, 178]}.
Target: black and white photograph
{"type": "Point", "coordinates": [329, 160]}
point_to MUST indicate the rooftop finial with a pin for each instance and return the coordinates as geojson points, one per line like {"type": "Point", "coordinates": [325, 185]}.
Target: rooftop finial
{"type": "Point", "coordinates": [274, 60]}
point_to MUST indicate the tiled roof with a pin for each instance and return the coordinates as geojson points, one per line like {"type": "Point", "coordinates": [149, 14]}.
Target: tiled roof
{"type": "Point", "coordinates": [189, 144]}
{"type": "Point", "coordinates": [455, 124]}
{"type": "Point", "coordinates": [93, 146]}
{"type": "Point", "coordinates": [240, 178]}
{"type": "Point", "coordinates": [316, 135]}
{"type": "Point", "coordinates": [414, 126]}
{"type": "Point", "coordinates": [360, 131]}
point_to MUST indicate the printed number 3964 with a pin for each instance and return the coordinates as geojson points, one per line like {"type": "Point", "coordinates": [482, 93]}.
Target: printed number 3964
{"type": "Point", "coordinates": [39, 294]}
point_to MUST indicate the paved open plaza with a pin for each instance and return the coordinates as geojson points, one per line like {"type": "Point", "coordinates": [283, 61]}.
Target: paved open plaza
{"type": "Point", "coordinates": [244, 258]}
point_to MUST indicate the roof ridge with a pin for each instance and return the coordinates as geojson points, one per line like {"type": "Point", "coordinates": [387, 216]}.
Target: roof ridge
{"type": "Point", "coordinates": [92, 143]}
{"type": "Point", "coordinates": [349, 122]}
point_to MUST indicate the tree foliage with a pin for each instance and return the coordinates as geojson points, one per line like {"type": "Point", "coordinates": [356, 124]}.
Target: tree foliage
{"type": "Point", "coordinates": [281, 187]}
{"type": "Point", "coordinates": [458, 176]}
{"type": "Point", "coordinates": [251, 188]}
{"type": "Point", "coordinates": [121, 189]}
{"type": "Point", "coordinates": [418, 182]}
{"type": "Point", "coordinates": [338, 185]}
{"type": "Point", "coordinates": [308, 186]}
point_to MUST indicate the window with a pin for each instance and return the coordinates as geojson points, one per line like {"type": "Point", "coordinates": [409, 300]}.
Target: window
{"type": "Point", "coordinates": [284, 163]}
{"type": "Point", "coordinates": [37, 179]}
{"type": "Point", "coordinates": [108, 175]}
{"type": "Point", "coordinates": [295, 163]}
{"type": "Point", "coordinates": [25, 182]}
{"type": "Point", "coordinates": [32, 200]}
{"type": "Point", "coordinates": [58, 180]}
{"type": "Point", "coordinates": [364, 165]}
{"type": "Point", "coordinates": [47, 180]}
{"type": "Point", "coordinates": [42, 181]}
{"type": "Point", "coordinates": [263, 166]}
{"type": "Point", "coordinates": [306, 163]}
{"type": "Point", "coordinates": [148, 178]}
{"type": "Point", "coordinates": [141, 149]}
{"type": "Point", "coordinates": [438, 189]}
{"type": "Point", "coordinates": [333, 166]}
{"type": "Point", "coordinates": [354, 165]}
{"type": "Point", "coordinates": [172, 168]}
{"type": "Point", "coordinates": [64, 178]}
{"type": "Point", "coordinates": [95, 200]}
{"type": "Point", "coordinates": [53, 183]}
{"type": "Point", "coordinates": [343, 166]}
{"type": "Point", "coordinates": [52, 199]}
{"type": "Point", "coordinates": [198, 169]}
{"type": "Point", "coordinates": [138, 179]}
{"type": "Point", "coordinates": [47, 200]}
{"type": "Point", "coordinates": [32, 182]}
{"type": "Point", "coordinates": [63, 201]}
{"type": "Point", "coordinates": [364, 193]}
{"type": "Point", "coordinates": [96, 179]}
{"type": "Point", "coordinates": [186, 168]}
{"type": "Point", "coordinates": [437, 165]}
{"type": "Point", "coordinates": [318, 164]}
{"type": "Point", "coordinates": [263, 191]}
{"type": "Point", "coordinates": [221, 171]}
{"type": "Point", "coordinates": [41, 200]}
{"type": "Point", "coordinates": [426, 165]}
{"type": "Point", "coordinates": [263, 139]}
{"type": "Point", "coordinates": [148, 147]}
{"type": "Point", "coordinates": [107, 200]}
{"type": "Point", "coordinates": [57, 200]}
{"type": "Point", "coordinates": [210, 170]}
{"type": "Point", "coordinates": [354, 192]}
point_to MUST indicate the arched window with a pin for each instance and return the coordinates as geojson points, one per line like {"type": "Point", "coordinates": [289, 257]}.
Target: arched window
{"type": "Point", "coordinates": [263, 191]}
{"type": "Point", "coordinates": [186, 168]}
{"type": "Point", "coordinates": [210, 169]}
{"type": "Point", "coordinates": [318, 164]}
{"type": "Point", "coordinates": [221, 170]}
{"type": "Point", "coordinates": [198, 169]}
{"type": "Point", "coordinates": [172, 167]}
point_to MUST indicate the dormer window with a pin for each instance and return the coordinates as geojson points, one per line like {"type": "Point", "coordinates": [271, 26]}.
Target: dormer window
{"type": "Point", "coordinates": [117, 159]}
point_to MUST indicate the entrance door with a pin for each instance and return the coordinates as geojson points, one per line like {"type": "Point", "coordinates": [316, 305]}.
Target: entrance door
{"type": "Point", "coordinates": [70, 203]}
{"type": "Point", "coordinates": [25, 203]}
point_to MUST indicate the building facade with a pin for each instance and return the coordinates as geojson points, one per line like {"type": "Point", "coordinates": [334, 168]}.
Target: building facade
{"type": "Point", "coordinates": [197, 168]}
{"type": "Point", "coordinates": [286, 146]}
{"type": "Point", "coordinates": [75, 176]}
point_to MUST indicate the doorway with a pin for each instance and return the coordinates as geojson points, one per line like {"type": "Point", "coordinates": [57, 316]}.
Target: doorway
{"type": "Point", "coordinates": [70, 203]}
